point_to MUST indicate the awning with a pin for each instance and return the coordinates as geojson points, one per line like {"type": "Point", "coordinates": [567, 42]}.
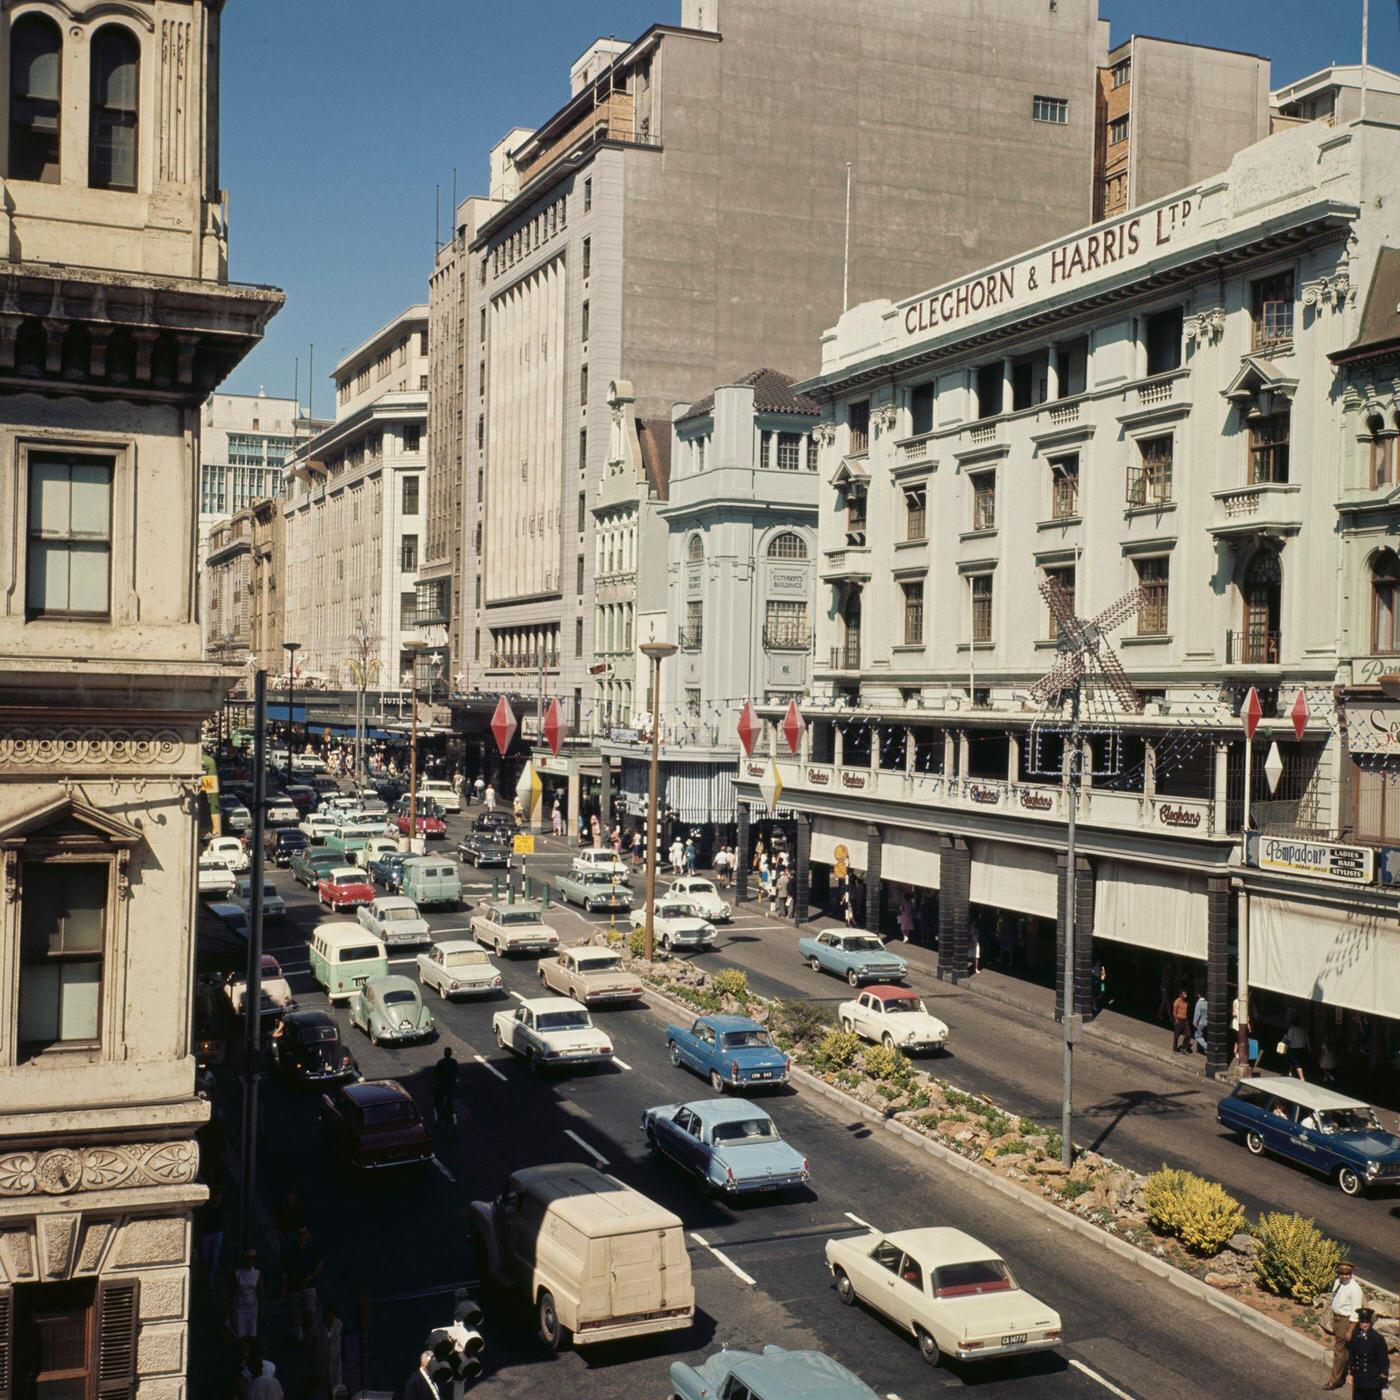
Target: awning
{"type": "Point", "coordinates": [911, 858]}
{"type": "Point", "coordinates": [830, 832]}
{"type": "Point", "coordinates": [1150, 908]}
{"type": "Point", "coordinates": [1022, 878]}
{"type": "Point", "coordinates": [1328, 953]}
{"type": "Point", "coordinates": [278, 713]}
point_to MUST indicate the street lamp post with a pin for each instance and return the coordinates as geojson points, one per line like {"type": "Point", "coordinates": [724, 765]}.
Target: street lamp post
{"type": "Point", "coordinates": [291, 648]}
{"type": "Point", "coordinates": [413, 648]}
{"type": "Point", "coordinates": [658, 652]}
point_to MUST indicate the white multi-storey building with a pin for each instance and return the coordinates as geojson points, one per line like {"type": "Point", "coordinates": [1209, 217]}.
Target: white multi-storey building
{"type": "Point", "coordinates": [1147, 404]}
{"type": "Point", "coordinates": [354, 514]}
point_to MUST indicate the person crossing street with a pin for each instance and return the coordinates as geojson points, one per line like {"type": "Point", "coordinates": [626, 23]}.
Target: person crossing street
{"type": "Point", "coordinates": [445, 1073]}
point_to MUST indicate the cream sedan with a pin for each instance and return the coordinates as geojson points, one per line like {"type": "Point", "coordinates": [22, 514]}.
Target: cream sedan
{"type": "Point", "coordinates": [952, 1294]}
{"type": "Point", "coordinates": [552, 1033]}
{"type": "Point", "coordinates": [895, 1017]}
{"type": "Point", "coordinates": [593, 976]}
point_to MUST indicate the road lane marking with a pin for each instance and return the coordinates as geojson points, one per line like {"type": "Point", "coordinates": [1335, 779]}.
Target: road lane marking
{"type": "Point", "coordinates": [621, 1064]}
{"type": "Point", "coordinates": [592, 1151]}
{"type": "Point", "coordinates": [516, 995]}
{"type": "Point", "coordinates": [851, 1215]}
{"type": "Point", "coordinates": [723, 1259]}
{"type": "Point", "coordinates": [395, 962]}
{"type": "Point", "coordinates": [444, 1170]}
{"type": "Point", "coordinates": [1094, 1376]}
{"type": "Point", "coordinates": [486, 1064]}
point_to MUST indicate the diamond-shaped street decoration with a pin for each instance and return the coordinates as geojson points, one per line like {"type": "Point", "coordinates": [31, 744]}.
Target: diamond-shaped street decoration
{"type": "Point", "coordinates": [1299, 713]}
{"type": "Point", "coordinates": [553, 726]}
{"type": "Point", "coordinates": [529, 790]}
{"type": "Point", "coordinates": [748, 727]}
{"type": "Point", "coordinates": [503, 725]}
{"type": "Point", "coordinates": [1273, 767]}
{"type": "Point", "coordinates": [1251, 712]}
{"type": "Point", "coordinates": [792, 726]}
{"type": "Point", "coordinates": [770, 786]}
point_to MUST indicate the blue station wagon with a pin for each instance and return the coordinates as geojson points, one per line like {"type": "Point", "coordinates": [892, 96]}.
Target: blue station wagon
{"type": "Point", "coordinates": [852, 953]}
{"type": "Point", "coordinates": [772, 1374]}
{"type": "Point", "coordinates": [729, 1051]}
{"type": "Point", "coordinates": [731, 1145]}
{"type": "Point", "coordinates": [1335, 1136]}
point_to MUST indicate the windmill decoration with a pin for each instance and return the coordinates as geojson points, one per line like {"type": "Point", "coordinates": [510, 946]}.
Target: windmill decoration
{"type": "Point", "coordinates": [1090, 671]}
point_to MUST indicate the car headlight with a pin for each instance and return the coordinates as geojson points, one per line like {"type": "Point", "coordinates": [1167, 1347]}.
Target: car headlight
{"type": "Point", "coordinates": [709, 930]}
{"type": "Point", "coordinates": [1373, 1169]}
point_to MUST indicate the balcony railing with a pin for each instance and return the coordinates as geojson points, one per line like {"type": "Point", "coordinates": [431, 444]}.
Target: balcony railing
{"type": "Point", "coordinates": [1255, 647]}
{"type": "Point", "coordinates": [430, 617]}
{"type": "Point", "coordinates": [1064, 413]}
{"type": "Point", "coordinates": [522, 661]}
{"type": "Point", "coordinates": [791, 637]}
{"type": "Point", "coordinates": [692, 637]}
{"type": "Point", "coordinates": [846, 657]}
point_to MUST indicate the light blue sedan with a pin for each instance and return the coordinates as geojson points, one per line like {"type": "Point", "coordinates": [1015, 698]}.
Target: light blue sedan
{"type": "Point", "coordinates": [852, 953]}
{"type": "Point", "coordinates": [772, 1374]}
{"type": "Point", "coordinates": [732, 1146]}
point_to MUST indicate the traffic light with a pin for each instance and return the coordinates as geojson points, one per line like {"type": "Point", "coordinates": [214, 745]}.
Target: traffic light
{"type": "Point", "coordinates": [457, 1347]}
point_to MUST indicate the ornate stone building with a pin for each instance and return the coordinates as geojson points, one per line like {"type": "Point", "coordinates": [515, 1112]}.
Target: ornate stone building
{"type": "Point", "coordinates": [116, 322]}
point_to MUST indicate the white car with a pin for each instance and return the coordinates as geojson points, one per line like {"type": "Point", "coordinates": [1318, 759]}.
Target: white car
{"type": "Point", "coordinates": [276, 993]}
{"type": "Point", "coordinates": [373, 848]}
{"type": "Point", "coordinates": [458, 967]}
{"type": "Point", "coordinates": [308, 763]}
{"type": "Point", "coordinates": [895, 1017]}
{"type": "Point", "coordinates": [231, 851]}
{"type": "Point", "coordinates": [394, 921]}
{"type": "Point", "coordinates": [317, 826]}
{"type": "Point", "coordinates": [604, 859]}
{"type": "Point", "coordinates": [234, 815]}
{"type": "Point", "coordinates": [215, 878]}
{"type": "Point", "coordinates": [552, 1032]}
{"type": "Point", "coordinates": [282, 811]}
{"type": "Point", "coordinates": [951, 1293]}
{"type": "Point", "coordinates": [704, 896]}
{"type": "Point", "coordinates": [442, 793]}
{"type": "Point", "coordinates": [273, 905]}
{"type": "Point", "coordinates": [514, 928]}
{"type": "Point", "coordinates": [677, 926]}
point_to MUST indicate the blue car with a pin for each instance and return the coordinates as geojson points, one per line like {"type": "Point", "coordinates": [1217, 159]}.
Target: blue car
{"type": "Point", "coordinates": [1335, 1136]}
{"type": "Point", "coordinates": [729, 1051]}
{"type": "Point", "coordinates": [732, 1146]}
{"type": "Point", "coordinates": [387, 869]}
{"type": "Point", "coordinates": [852, 953]}
{"type": "Point", "coordinates": [772, 1374]}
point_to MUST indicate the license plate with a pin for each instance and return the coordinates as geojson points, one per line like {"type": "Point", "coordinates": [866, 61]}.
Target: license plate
{"type": "Point", "coordinates": [762, 1074]}
{"type": "Point", "coordinates": [1013, 1339]}
{"type": "Point", "coordinates": [360, 981]}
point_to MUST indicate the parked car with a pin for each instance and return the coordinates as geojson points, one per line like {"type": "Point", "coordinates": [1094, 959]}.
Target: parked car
{"type": "Point", "coordinates": [955, 1296]}
{"type": "Point", "coordinates": [273, 905]}
{"type": "Point", "coordinates": [395, 921]}
{"type": "Point", "coordinates": [390, 1009]}
{"type": "Point", "coordinates": [306, 1047]}
{"type": "Point", "coordinates": [604, 859]}
{"type": "Point", "coordinates": [704, 896]}
{"type": "Point", "coordinates": [281, 811]}
{"type": "Point", "coordinates": [458, 967]}
{"type": "Point", "coordinates": [730, 1051]}
{"type": "Point", "coordinates": [513, 928]}
{"type": "Point", "coordinates": [345, 887]}
{"type": "Point", "coordinates": [485, 845]}
{"type": "Point", "coordinates": [552, 1033]}
{"type": "Point", "coordinates": [1335, 1136]}
{"type": "Point", "coordinates": [772, 1374]}
{"type": "Point", "coordinates": [595, 976]}
{"type": "Point", "coordinates": [852, 953]}
{"type": "Point", "coordinates": [215, 878]}
{"type": "Point", "coordinates": [375, 1125]}
{"type": "Point", "coordinates": [312, 862]}
{"type": "Point", "coordinates": [302, 796]}
{"type": "Point", "coordinates": [230, 850]}
{"type": "Point", "coordinates": [431, 882]}
{"type": "Point", "coordinates": [276, 991]}
{"type": "Point", "coordinates": [593, 890]}
{"type": "Point", "coordinates": [425, 825]}
{"type": "Point", "coordinates": [442, 792]}
{"type": "Point", "coordinates": [733, 1146]}
{"type": "Point", "coordinates": [598, 1260]}
{"type": "Point", "coordinates": [385, 869]}
{"type": "Point", "coordinates": [234, 816]}
{"type": "Point", "coordinates": [373, 847]}
{"type": "Point", "coordinates": [677, 927]}
{"type": "Point", "coordinates": [281, 843]}
{"type": "Point", "coordinates": [895, 1017]}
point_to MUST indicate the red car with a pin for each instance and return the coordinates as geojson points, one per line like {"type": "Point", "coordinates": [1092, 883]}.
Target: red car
{"type": "Point", "coordinates": [375, 1124]}
{"type": "Point", "coordinates": [427, 826]}
{"type": "Point", "coordinates": [345, 887]}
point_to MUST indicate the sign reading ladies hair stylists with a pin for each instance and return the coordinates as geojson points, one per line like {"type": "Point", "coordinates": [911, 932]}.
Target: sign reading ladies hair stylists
{"type": "Point", "coordinates": [1130, 241]}
{"type": "Point", "coordinates": [1318, 860]}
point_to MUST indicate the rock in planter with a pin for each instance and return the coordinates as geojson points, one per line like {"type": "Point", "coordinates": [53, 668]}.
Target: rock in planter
{"type": "Point", "coordinates": [1051, 1166]}
{"type": "Point", "coordinates": [1242, 1244]}
{"type": "Point", "coordinates": [1217, 1280]}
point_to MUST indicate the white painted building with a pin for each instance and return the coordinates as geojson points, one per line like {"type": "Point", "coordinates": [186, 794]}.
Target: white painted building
{"type": "Point", "coordinates": [1146, 404]}
{"type": "Point", "coordinates": [354, 514]}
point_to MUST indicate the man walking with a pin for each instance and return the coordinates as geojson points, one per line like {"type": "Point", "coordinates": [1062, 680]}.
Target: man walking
{"type": "Point", "coordinates": [1181, 1026]}
{"type": "Point", "coordinates": [444, 1092]}
{"type": "Point", "coordinates": [1347, 1301]}
{"type": "Point", "coordinates": [301, 1268]}
{"type": "Point", "coordinates": [1200, 1015]}
{"type": "Point", "coordinates": [1368, 1360]}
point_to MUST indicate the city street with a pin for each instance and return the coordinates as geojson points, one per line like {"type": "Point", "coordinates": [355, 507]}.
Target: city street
{"type": "Point", "coordinates": [758, 1266]}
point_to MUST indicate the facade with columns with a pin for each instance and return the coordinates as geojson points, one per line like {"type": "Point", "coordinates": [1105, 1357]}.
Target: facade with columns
{"type": "Point", "coordinates": [1152, 407]}
{"type": "Point", "coordinates": [119, 321]}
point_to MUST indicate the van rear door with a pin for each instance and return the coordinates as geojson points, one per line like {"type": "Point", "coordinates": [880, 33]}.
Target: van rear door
{"type": "Point", "coordinates": [637, 1270]}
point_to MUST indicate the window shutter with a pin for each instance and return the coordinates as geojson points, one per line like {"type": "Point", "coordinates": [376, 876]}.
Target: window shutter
{"type": "Point", "coordinates": [116, 1341]}
{"type": "Point", "coordinates": [7, 1331]}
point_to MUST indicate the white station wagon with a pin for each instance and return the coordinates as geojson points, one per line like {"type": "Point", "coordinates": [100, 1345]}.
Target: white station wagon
{"type": "Point", "coordinates": [552, 1033]}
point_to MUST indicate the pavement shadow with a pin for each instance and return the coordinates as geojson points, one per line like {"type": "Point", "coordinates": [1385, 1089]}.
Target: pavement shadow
{"type": "Point", "coordinates": [1138, 1103]}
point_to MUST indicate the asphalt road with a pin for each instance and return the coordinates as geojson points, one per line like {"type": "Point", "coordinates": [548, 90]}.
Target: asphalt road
{"type": "Point", "coordinates": [404, 1244]}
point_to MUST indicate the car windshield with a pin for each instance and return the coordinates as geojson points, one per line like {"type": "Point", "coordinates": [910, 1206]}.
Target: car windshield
{"type": "Point", "coordinates": [1349, 1120]}
{"type": "Point", "coordinates": [745, 1040]}
{"type": "Point", "coordinates": [748, 1130]}
{"type": "Point", "coordinates": [466, 959]}
{"type": "Point", "coordinates": [677, 911]}
{"type": "Point", "coordinates": [390, 916]}
{"type": "Point", "coordinates": [378, 1115]}
{"type": "Point", "coordinates": [612, 963]}
{"type": "Point", "coordinates": [564, 1021]}
{"type": "Point", "coordinates": [397, 997]}
{"type": "Point", "coordinates": [348, 879]}
{"type": "Point", "coordinates": [699, 887]}
{"type": "Point", "coordinates": [510, 917]}
{"type": "Point", "coordinates": [977, 1276]}
{"type": "Point", "coordinates": [316, 1035]}
{"type": "Point", "coordinates": [894, 1006]}
{"type": "Point", "coordinates": [868, 944]}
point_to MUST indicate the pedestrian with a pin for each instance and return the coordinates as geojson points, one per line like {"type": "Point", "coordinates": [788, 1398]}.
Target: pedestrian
{"type": "Point", "coordinates": [289, 1217]}
{"type": "Point", "coordinates": [210, 1219]}
{"type": "Point", "coordinates": [1368, 1358]}
{"type": "Point", "coordinates": [785, 894]}
{"type": "Point", "coordinates": [616, 840]}
{"type": "Point", "coordinates": [1181, 1025]}
{"type": "Point", "coordinates": [1200, 1018]}
{"type": "Point", "coordinates": [1164, 996]}
{"type": "Point", "coordinates": [595, 830]}
{"type": "Point", "coordinates": [757, 852]}
{"type": "Point", "coordinates": [419, 1386]}
{"type": "Point", "coordinates": [1327, 1062]}
{"type": "Point", "coordinates": [517, 811]}
{"type": "Point", "coordinates": [906, 918]}
{"type": "Point", "coordinates": [775, 892]}
{"type": "Point", "coordinates": [259, 1376]}
{"type": "Point", "coordinates": [457, 781]}
{"type": "Point", "coordinates": [300, 1270]}
{"type": "Point", "coordinates": [327, 1366]}
{"type": "Point", "coordinates": [722, 864]}
{"type": "Point", "coordinates": [847, 913]}
{"type": "Point", "coordinates": [677, 854]}
{"type": "Point", "coordinates": [245, 1297]}
{"type": "Point", "coordinates": [691, 857]}
{"type": "Point", "coordinates": [637, 846]}
{"type": "Point", "coordinates": [1295, 1046]}
{"type": "Point", "coordinates": [489, 797]}
{"type": "Point", "coordinates": [1345, 1303]}
{"type": "Point", "coordinates": [478, 787]}
{"type": "Point", "coordinates": [556, 819]}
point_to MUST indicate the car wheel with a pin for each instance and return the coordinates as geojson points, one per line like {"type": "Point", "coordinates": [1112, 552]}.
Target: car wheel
{"type": "Point", "coordinates": [665, 942]}
{"type": "Point", "coordinates": [845, 1289]}
{"type": "Point", "coordinates": [716, 1083]}
{"type": "Point", "coordinates": [814, 964]}
{"type": "Point", "coordinates": [848, 1025]}
{"type": "Point", "coordinates": [500, 1039]}
{"type": "Point", "coordinates": [1349, 1181]}
{"type": "Point", "coordinates": [675, 1052]}
{"type": "Point", "coordinates": [928, 1348]}
{"type": "Point", "coordinates": [536, 1061]}
{"type": "Point", "coordinates": [853, 977]}
{"type": "Point", "coordinates": [1255, 1143]}
{"type": "Point", "coordinates": [888, 1041]}
{"type": "Point", "coordinates": [553, 1333]}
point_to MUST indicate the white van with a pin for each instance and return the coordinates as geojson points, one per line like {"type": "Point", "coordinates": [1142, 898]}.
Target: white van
{"type": "Point", "coordinates": [442, 792]}
{"type": "Point", "coordinates": [596, 1259]}
{"type": "Point", "coordinates": [344, 957]}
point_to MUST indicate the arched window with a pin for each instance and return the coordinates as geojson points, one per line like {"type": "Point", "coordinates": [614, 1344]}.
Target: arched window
{"type": "Point", "coordinates": [116, 76]}
{"type": "Point", "coordinates": [36, 53]}
{"type": "Point", "coordinates": [787, 546]}
{"type": "Point", "coordinates": [1382, 451]}
{"type": "Point", "coordinates": [695, 551]}
{"type": "Point", "coordinates": [1385, 594]}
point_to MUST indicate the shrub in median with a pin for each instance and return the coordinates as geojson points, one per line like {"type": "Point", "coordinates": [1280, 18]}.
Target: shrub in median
{"type": "Point", "coordinates": [882, 1063]}
{"type": "Point", "coordinates": [1163, 1197]}
{"type": "Point", "coordinates": [799, 1022]}
{"type": "Point", "coordinates": [836, 1050]}
{"type": "Point", "coordinates": [637, 943]}
{"type": "Point", "coordinates": [1294, 1258]}
{"type": "Point", "coordinates": [1200, 1213]}
{"type": "Point", "coordinates": [731, 982]}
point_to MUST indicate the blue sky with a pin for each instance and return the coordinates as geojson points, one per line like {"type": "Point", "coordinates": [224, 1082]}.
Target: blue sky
{"type": "Point", "coordinates": [340, 116]}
